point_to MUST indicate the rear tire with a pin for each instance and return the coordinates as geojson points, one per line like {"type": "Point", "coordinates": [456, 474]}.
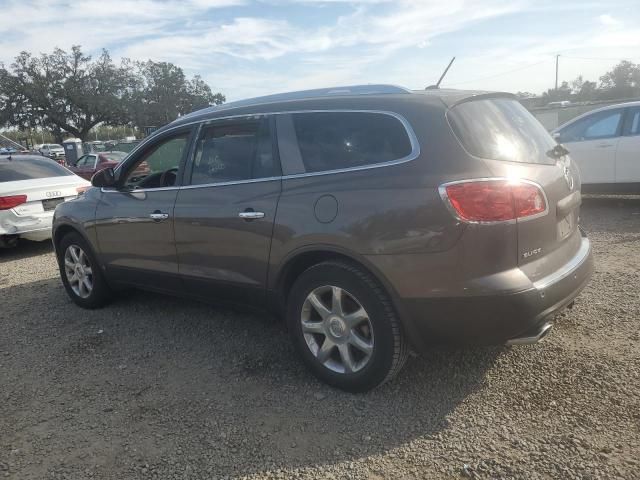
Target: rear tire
{"type": "Point", "coordinates": [355, 343]}
{"type": "Point", "coordinates": [81, 273]}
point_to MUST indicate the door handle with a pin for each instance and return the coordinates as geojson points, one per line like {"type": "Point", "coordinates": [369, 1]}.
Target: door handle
{"type": "Point", "coordinates": [158, 216]}
{"type": "Point", "coordinates": [251, 215]}
{"type": "Point", "coordinates": [604, 145]}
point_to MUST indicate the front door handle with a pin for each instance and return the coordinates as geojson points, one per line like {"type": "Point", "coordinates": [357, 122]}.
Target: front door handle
{"type": "Point", "coordinates": [158, 216]}
{"type": "Point", "coordinates": [251, 215]}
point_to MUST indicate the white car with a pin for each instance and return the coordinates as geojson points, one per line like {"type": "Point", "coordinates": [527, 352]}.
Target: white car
{"type": "Point", "coordinates": [30, 188]}
{"type": "Point", "coordinates": [52, 150]}
{"type": "Point", "coordinates": [605, 144]}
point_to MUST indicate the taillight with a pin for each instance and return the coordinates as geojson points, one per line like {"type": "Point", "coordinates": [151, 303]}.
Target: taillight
{"type": "Point", "coordinates": [12, 201]}
{"type": "Point", "coordinates": [494, 200]}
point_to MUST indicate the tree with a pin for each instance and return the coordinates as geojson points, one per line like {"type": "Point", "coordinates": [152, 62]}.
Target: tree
{"type": "Point", "coordinates": [66, 91]}
{"type": "Point", "coordinates": [623, 81]}
{"type": "Point", "coordinates": [161, 93]}
{"type": "Point", "coordinates": [73, 93]}
{"type": "Point", "coordinates": [563, 92]}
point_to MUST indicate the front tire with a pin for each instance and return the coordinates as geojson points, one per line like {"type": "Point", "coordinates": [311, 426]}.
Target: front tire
{"type": "Point", "coordinates": [345, 328]}
{"type": "Point", "coordinates": [80, 272]}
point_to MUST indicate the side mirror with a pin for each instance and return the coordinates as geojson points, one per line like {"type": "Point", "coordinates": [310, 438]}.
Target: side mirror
{"type": "Point", "coordinates": [104, 178]}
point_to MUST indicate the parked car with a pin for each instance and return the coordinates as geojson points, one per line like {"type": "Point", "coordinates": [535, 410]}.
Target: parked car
{"type": "Point", "coordinates": [561, 103]}
{"type": "Point", "coordinates": [30, 188]}
{"type": "Point", "coordinates": [52, 150]}
{"type": "Point", "coordinates": [605, 143]}
{"type": "Point", "coordinates": [375, 219]}
{"type": "Point", "coordinates": [89, 164]}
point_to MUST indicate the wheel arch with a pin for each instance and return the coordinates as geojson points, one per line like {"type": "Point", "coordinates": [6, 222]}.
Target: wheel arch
{"type": "Point", "coordinates": [64, 229]}
{"type": "Point", "coordinates": [302, 259]}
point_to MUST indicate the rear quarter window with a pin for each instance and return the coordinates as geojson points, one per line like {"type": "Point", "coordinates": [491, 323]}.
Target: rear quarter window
{"type": "Point", "coordinates": [500, 129]}
{"type": "Point", "coordinates": [339, 140]}
{"type": "Point", "coordinates": [30, 169]}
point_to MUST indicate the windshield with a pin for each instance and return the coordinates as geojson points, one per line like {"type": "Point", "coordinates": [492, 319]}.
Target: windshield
{"type": "Point", "coordinates": [30, 169]}
{"type": "Point", "coordinates": [501, 129]}
{"type": "Point", "coordinates": [54, 145]}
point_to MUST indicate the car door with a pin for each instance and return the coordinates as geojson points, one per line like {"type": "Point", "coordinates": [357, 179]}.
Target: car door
{"type": "Point", "coordinates": [628, 152]}
{"type": "Point", "coordinates": [134, 220]}
{"type": "Point", "coordinates": [224, 216]}
{"type": "Point", "coordinates": [592, 141]}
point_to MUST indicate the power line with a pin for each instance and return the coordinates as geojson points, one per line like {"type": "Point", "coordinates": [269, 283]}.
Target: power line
{"type": "Point", "coordinates": [500, 74]}
{"type": "Point", "coordinates": [601, 58]}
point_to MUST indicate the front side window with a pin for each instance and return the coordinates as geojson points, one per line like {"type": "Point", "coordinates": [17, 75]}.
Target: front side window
{"type": "Point", "coordinates": [234, 150]}
{"type": "Point", "coordinates": [339, 140]}
{"type": "Point", "coordinates": [598, 125]}
{"type": "Point", "coordinates": [87, 161]}
{"type": "Point", "coordinates": [159, 164]}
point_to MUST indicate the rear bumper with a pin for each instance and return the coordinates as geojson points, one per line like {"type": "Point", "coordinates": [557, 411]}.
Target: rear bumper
{"type": "Point", "coordinates": [497, 316]}
{"type": "Point", "coordinates": [31, 227]}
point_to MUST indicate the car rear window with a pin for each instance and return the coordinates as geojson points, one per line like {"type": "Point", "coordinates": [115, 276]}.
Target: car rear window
{"type": "Point", "coordinates": [501, 129]}
{"type": "Point", "coordinates": [29, 169]}
{"type": "Point", "coordinates": [338, 140]}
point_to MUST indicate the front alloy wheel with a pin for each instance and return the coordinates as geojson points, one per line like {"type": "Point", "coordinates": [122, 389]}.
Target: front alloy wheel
{"type": "Point", "coordinates": [337, 329]}
{"type": "Point", "coordinates": [78, 271]}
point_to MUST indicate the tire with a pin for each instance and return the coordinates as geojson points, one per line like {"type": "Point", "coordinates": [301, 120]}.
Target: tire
{"type": "Point", "coordinates": [376, 348]}
{"type": "Point", "coordinates": [99, 294]}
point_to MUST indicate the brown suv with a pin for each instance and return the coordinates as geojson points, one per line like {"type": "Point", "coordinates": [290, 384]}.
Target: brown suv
{"type": "Point", "coordinates": [374, 218]}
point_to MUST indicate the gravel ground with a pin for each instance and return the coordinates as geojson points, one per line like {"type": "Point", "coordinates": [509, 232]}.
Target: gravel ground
{"type": "Point", "coordinates": [156, 387]}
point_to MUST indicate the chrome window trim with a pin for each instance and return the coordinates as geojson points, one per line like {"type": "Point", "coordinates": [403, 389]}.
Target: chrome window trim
{"type": "Point", "coordinates": [442, 190]}
{"type": "Point", "coordinates": [568, 268]}
{"type": "Point", "coordinates": [413, 140]}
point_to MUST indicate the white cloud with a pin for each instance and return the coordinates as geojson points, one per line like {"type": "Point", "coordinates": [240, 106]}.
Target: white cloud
{"type": "Point", "coordinates": [396, 41]}
{"type": "Point", "coordinates": [608, 20]}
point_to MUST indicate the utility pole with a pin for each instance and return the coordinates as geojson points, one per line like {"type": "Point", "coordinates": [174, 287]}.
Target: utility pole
{"type": "Point", "coordinates": [557, 57]}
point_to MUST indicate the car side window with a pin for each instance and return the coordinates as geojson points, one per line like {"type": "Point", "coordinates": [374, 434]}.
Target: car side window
{"type": "Point", "coordinates": [82, 161]}
{"type": "Point", "coordinates": [234, 150]}
{"type": "Point", "coordinates": [632, 122]}
{"type": "Point", "coordinates": [338, 140]}
{"type": "Point", "coordinates": [599, 125]}
{"type": "Point", "coordinates": [159, 164]}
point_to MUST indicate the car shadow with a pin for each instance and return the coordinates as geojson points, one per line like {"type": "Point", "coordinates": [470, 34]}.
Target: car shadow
{"type": "Point", "coordinates": [24, 249]}
{"type": "Point", "coordinates": [166, 375]}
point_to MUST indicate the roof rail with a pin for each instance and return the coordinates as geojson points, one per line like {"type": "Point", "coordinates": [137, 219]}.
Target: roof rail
{"type": "Point", "coordinates": [305, 94]}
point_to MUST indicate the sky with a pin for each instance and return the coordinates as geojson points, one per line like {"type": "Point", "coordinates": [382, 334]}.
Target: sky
{"type": "Point", "coordinates": [247, 48]}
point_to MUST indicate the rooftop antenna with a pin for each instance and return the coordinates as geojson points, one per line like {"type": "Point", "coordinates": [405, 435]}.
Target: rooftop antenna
{"type": "Point", "coordinates": [437, 85]}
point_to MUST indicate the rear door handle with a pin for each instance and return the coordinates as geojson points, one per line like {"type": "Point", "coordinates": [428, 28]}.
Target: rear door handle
{"type": "Point", "coordinates": [251, 215]}
{"type": "Point", "coordinates": [158, 216]}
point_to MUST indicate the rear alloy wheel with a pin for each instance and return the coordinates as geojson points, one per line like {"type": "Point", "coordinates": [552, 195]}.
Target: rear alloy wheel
{"type": "Point", "coordinates": [80, 272]}
{"type": "Point", "coordinates": [344, 326]}
{"type": "Point", "coordinates": [337, 329]}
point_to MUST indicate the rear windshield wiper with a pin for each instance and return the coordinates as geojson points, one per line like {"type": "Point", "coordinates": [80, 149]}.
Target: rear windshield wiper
{"type": "Point", "coordinates": [557, 152]}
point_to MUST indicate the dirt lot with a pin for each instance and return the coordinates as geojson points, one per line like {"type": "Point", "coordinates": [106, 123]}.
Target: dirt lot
{"type": "Point", "coordinates": [156, 387]}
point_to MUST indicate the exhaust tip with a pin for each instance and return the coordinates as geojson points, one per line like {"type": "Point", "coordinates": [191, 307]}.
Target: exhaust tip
{"type": "Point", "coordinates": [535, 338]}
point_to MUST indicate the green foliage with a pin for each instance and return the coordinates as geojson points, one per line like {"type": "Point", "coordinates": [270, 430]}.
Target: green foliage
{"type": "Point", "coordinates": [72, 92]}
{"type": "Point", "coordinates": [160, 93]}
{"type": "Point", "coordinates": [622, 82]}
